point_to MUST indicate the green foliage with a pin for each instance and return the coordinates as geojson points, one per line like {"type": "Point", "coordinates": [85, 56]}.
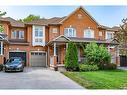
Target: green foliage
{"type": "Point", "coordinates": [2, 13]}
{"type": "Point", "coordinates": [86, 67]}
{"type": "Point", "coordinates": [109, 66]}
{"type": "Point", "coordinates": [71, 57]}
{"type": "Point", "coordinates": [97, 54]}
{"type": "Point", "coordinates": [1, 67]}
{"type": "Point", "coordinates": [29, 18]}
{"type": "Point", "coordinates": [1, 28]}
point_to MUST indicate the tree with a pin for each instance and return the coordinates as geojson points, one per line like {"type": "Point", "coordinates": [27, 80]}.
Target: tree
{"type": "Point", "coordinates": [2, 13]}
{"type": "Point", "coordinates": [121, 36]}
{"type": "Point", "coordinates": [29, 18]}
{"type": "Point", "coordinates": [71, 57]}
{"type": "Point", "coordinates": [1, 27]}
{"type": "Point", "coordinates": [97, 54]}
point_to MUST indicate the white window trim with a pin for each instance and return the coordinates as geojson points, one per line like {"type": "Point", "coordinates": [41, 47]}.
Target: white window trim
{"type": "Point", "coordinates": [68, 31]}
{"type": "Point", "coordinates": [106, 36]}
{"type": "Point", "coordinates": [92, 33]}
{"type": "Point", "coordinates": [43, 36]}
{"type": "Point", "coordinates": [20, 35]}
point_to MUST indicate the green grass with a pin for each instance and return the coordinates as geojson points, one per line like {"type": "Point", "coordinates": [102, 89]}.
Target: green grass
{"type": "Point", "coordinates": [112, 79]}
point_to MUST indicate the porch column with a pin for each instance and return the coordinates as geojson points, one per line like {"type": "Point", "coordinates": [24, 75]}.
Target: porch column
{"type": "Point", "coordinates": [66, 46]}
{"type": "Point", "coordinates": [55, 59]}
{"type": "Point", "coordinates": [1, 48]}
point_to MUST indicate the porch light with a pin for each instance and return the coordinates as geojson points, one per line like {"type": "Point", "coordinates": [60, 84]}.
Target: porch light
{"type": "Point", "coordinates": [38, 49]}
{"type": "Point", "coordinates": [9, 48]}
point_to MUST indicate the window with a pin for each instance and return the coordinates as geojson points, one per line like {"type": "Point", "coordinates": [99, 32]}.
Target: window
{"type": "Point", "coordinates": [100, 33]}
{"type": "Point", "coordinates": [70, 32]}
{"type": "Point", "coordinates": [89, 33]}
{"type": "Point", "coordinates": [14, 35]}
{"type": "Point", "coordinates": [17, 34]}
{"type": "Point", "coordinates": [54, 30]}
{"type": "Point", "coordinates": [109, 35]}
{"type": "Point", "coordinates": [21, 34]}
{"type": "Point", "coordinates": [38, 35]}
{"type": "Point", "coordinates": [38, 32]}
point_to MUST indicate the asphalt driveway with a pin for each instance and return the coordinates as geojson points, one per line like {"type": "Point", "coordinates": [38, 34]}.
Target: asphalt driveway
{"type": "Point", "coordinates": [36, 78]}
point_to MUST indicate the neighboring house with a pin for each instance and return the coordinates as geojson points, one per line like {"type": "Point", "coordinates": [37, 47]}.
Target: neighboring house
{"type": "Point", "coordinates": [43, 42]}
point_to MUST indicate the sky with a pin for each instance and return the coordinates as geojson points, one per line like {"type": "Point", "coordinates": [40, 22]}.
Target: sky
{"type": "Point", "coordinates": [104, 15]}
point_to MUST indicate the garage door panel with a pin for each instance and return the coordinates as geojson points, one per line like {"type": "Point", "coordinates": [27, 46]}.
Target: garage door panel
{"type": "Point", "coordinates": [38, 59]}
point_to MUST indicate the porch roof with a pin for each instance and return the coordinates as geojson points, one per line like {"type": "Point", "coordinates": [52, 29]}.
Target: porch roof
{"type": "Point", "coordinates": [3, 37]}
{"type": "Point", "coordinates": [63, 39]}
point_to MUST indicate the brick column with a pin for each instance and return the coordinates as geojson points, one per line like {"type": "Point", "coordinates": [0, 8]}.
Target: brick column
{"type": "Point", "coordinates": [1, 59]}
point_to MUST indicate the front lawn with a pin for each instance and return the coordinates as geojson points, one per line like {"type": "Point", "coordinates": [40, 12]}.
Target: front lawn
{"type": "Point", "coordinates": [112, 79]}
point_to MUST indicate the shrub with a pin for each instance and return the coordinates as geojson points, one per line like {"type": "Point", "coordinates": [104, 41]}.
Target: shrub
{"type": "Point", "coordinates": [1, 67]}
{"type": "Point", "coordinates": [71, 57]}
{"type": "Point", "coordinates": [97, 54]}
{"type": "Point", "coordinates": [109, 66]}
{"type": "Point", "coordinates": [85, 67]}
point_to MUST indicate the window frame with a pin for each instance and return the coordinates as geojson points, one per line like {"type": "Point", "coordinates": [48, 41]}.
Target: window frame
{"type": "Point", "coordinates": [107, 36]}
{"type": "Point", "coordinates": [67, 32]}
{"type": "Point", "coordinates": [91, 33]}
{"type": "Point", "coordinates": [15, 34]}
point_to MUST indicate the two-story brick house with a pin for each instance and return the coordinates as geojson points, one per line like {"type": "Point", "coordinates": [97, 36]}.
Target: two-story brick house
{"type": "Point", "coordinates": [43, 42]}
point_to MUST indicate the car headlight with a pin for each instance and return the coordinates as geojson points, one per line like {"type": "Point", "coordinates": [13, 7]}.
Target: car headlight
{"type": "Point", "coordinates": [19, 66]}
{"type": "Point", "coordinates": [6, 66]}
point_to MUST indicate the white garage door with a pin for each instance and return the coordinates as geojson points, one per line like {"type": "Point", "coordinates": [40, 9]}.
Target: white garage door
{"type": "Point", "coordinates": [38, 59]}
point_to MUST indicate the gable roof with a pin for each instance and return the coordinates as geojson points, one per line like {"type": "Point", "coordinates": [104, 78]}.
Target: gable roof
{"type": "Point", "coordinates": [12, 21]}
{"type": "Point", "coordinates": [59, 20]}
{"type": "Point", "coordinates": [85, 11]}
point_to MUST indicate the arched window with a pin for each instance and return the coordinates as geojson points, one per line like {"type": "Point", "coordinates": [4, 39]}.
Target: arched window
{"type": "Point", "coordinates": [70, 32]}
{"type": "Point", "coordinates": [88, 33]}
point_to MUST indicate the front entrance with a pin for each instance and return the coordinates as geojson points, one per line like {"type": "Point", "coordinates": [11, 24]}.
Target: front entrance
{"type": "Point", "coordinates": [18, 54]}
{"type": "Point", "coordinates": [123, 60]}
{"type": "Point", "coordinates": [38, 59]}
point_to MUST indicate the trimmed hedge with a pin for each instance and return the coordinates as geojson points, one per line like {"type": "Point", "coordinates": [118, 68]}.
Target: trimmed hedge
{"type": "Point", "coordinates": [109, 66]}
{"type": "Point", "coordinates": [86, 67]}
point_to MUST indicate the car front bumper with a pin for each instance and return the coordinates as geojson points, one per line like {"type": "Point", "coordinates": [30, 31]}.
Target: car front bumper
{"type": "Point", "coordinates": [13, 69]}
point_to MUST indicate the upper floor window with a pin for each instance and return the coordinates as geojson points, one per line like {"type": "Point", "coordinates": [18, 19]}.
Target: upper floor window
{"type": "Point", "coordinates": [100, 33]}
{"type": "Point", "coordinates": [109, 35]}
{"type": "Point", "coordinates": [38, 32]}
{"type": "Point", "coordinates": [70, 32]}
{"type": "Point", "coordinates": [17, 34]}
{"type": "Point", "coordinates": [89, 33]}
{"type": "Point", "coordinates": [38, 36]}
{"type": "Point", "coordinates": [54, 30]}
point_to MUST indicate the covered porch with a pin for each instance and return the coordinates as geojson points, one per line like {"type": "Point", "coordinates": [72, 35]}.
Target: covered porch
{"type": "Point", "coordinates": [57, 49]}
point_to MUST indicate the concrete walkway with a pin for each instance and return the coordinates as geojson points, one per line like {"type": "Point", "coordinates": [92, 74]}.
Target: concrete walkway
{"type": "Point", "coordinates": [122, 68]}
{"type": "Point", "coordinates": [36, 78]}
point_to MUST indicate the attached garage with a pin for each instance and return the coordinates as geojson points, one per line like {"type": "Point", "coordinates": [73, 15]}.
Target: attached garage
{"type": "Point", "coordinates": [38, 59]}
{"type": "Point", "coordinates": [18, 54]}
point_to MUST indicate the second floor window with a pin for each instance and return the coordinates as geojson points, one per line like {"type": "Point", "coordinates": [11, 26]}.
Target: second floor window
{"type": "Point", "coordinates": [38, 32]}
{"type": "Point", "coordinates": [17, 34]}
{"type": "Point", "coordinates": [109, 35]}
{"type": "Point", "coordinates": [70, 32]}
{"type": "Point", "coordinates": [88, 33]}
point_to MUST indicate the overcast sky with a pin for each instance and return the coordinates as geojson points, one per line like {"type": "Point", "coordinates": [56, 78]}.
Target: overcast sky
{"type": "Point", "coordinates": [105, 15]}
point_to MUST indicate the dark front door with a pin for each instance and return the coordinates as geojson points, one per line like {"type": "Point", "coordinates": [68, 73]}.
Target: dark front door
{"type": "Point", "coordinates": [18, 54]}
{"type": "Point", "coordinates": [123, 60]}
